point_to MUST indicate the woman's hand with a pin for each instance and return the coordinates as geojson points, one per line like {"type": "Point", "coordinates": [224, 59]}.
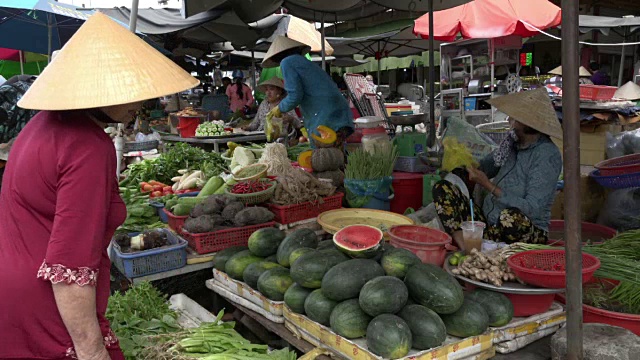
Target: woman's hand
{"type": "Point", "coordinates": [479, 177]}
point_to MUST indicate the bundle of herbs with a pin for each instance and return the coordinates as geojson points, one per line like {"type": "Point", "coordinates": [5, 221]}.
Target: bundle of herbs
{"type": "Point", "coordinates": [140, 215]}
{"type": "Point", "coordinates": [371, 165]}
{"type": "Point", "coordinates": [177, 156]}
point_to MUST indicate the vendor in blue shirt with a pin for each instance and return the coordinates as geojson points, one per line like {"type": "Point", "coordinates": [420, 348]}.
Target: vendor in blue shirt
{"type": "Point", "coordinates": [520, 177]}
{"type": "Point", "coordinates": [310, 87]}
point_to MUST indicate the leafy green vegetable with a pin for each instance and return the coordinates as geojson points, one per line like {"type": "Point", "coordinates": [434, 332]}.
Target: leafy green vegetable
{"type": "Point", "coordinates": [140, 215]}
{"type": "Point", "coordinates": [178, 156]}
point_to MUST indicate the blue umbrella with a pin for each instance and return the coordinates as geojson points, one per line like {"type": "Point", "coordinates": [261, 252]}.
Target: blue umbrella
{"type": "Point", "coordinates": [42, 26]}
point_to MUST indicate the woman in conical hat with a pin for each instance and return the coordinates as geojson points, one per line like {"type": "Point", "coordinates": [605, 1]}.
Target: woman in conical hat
{"type": "Point", "coordinates": [309, 87]}
{"type": "Point", "coordinates": [520, 177]}
{"type": "Point", "coordinates": [59, 202]}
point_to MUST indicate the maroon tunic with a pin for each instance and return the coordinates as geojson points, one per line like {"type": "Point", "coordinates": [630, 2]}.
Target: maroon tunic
{"type": "Point", "coordinates": [59, 208]}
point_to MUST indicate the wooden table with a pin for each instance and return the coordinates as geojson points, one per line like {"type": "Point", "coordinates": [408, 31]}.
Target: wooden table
{"type": "Point", "coordinates": [216, 142]}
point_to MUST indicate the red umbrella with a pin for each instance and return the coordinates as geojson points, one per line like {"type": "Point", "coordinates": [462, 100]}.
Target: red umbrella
{"type": "Point", "coordinates": [487, 19]}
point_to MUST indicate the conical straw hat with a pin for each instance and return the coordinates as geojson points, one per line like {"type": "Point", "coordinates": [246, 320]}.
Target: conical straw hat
{"type": "Point", "coordinates": [582, 71]}
{"type": "Point", "coordinates": [104, 64]}
{"type": "Point", "coordinates": [532, 108]}
{"type": "Point", "coordinates": [628, 91]}
{"type": "Point", "coordinates": [274, 81]}
{"type": "Point", "coordinates": [280, 44]}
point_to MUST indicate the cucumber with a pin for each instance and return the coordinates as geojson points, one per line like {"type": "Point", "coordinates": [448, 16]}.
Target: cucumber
{"type": "Point", "coordinates": [211, 186]}
{"type": "Point", "coordinates": [181, 210]}
{"type": "Point", "coordinates": [220, 190]}
{"type": "Point", "coordinates": [190, 201]}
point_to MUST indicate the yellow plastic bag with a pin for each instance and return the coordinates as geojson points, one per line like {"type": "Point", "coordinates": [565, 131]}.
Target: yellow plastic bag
{"type": "Point", "coordinates": [456, 155]}
{"type": "Point", "coordinates": [273, 128]}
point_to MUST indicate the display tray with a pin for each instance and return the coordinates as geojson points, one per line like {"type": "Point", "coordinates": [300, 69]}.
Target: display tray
{"type": "Point", "coordinates": [218, 288]}
{"type": "Point", "coordinates": [190, 313]}
{"type": "Point", "coordinates": [523, 326]}
{"type": "Point", "coordinates": [334, 220]}
{"type": "Point", "coordinates": [472, 348]}
{"type": "Point", "coordinates": [228, 136]}
{"type": "Point", "coordinates": [246, 292]}
{"type": "Point", "coordinates": [508, 287]}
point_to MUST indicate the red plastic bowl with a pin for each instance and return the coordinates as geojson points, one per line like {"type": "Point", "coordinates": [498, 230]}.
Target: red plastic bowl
{"type": "Point", "coordinates": [595, 232]}
{"type": "Point", "coordinates": [429, 245]}
{"type": "Point", "coordinates": [531, 267]}
{"type": "Point", "coordinates": [592, 314]}
{"type": "Point", "coordinates": [622, 165]}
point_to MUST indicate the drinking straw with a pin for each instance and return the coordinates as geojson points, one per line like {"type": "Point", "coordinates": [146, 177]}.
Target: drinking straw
{"type": "Point", "coordinates": [472, 220]}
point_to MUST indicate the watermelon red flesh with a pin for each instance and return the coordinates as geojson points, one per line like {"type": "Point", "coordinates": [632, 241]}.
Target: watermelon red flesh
{"type": "Point", "coordinates": [359, 241]}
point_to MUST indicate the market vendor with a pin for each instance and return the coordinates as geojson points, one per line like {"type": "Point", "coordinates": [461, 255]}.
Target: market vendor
{"type": "Point", "coordinates": [239, 93]}
{"type": "Point", "coordinates": [520, 177]}
{"type": "Point", "coordinates": [274, 93]}
{"type": "Point", "coordinates": [309, 87]}
{"type": "Point", "coordinates": [59, 201]}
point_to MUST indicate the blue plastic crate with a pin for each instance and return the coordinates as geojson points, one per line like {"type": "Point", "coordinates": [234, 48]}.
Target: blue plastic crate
{"type": "Point", "coordinates": [147, 262]}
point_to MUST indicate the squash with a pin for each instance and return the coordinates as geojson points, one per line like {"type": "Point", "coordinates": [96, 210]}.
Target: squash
{"type": "Point", "coordinates": [336, 177]}
{"type": "Point", "coordinates": [304, 159]}
{"type": "Point", "coordinates": [327, 136]}
{"type": "Point", "coordinates": [327, 159]}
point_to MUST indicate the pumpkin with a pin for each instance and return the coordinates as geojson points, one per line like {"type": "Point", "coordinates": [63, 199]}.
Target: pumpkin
{"type": "Point", "coordinates": [327, 159]}
{"type": "Point", "coordinates": [304, 159]}
{"type": "Point", "coordinates": [327, 136]}
{"type": "Point", "coordinates": [336, 177]}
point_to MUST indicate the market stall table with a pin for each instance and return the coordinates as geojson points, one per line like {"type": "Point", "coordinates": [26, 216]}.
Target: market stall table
{"type": "Point", "coordinates": [216, 142]}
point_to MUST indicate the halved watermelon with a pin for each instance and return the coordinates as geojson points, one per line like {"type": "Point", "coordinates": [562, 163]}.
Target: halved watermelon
{"type": "Point", "coordinates": [359, 241]}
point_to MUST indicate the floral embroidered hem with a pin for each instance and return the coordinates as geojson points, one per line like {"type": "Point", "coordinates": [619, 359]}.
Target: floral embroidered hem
{"type": "Point", "coordinates": [57, 273]}
{"type": "Point", "coordinates": [110, 341]}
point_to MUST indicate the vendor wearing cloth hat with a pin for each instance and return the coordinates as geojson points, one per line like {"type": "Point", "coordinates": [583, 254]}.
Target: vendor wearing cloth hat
{"type": "Point", "coordinates": [274, 93]}
{"type": "Point", "coordinates": [310, 87]}
{"type": "Point", "coordinates": [520, 176]}
{"type": "Point", "coordinates": [59, 202]}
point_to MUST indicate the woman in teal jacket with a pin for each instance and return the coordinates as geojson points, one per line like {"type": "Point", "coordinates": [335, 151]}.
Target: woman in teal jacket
{"type": "Point", "coordinates": [309, 87]}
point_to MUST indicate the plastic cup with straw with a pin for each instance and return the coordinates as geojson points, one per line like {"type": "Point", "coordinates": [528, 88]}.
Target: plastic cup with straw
{"type": "Point", "coordinates": [472, 232]}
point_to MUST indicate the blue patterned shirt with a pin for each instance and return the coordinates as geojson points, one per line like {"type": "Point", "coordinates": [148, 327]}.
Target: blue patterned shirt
{"type": "Point", "coordinates": [528, 182]}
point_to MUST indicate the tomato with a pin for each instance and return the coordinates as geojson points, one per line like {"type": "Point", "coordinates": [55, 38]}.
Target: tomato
{"type": "Point", "coordinates": [157, 188]}
{"type": "Point", "coordinates": [155, 183]}
{"type": "Point", "coordinates": [156, 194]}
{"type": "Point", "coordinates": [167, 189]}
{"type": "Point", "coordinates": [144, 187]}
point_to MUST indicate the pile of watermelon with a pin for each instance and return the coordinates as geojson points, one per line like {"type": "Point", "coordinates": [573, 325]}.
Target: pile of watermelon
{"type": "Point", "coordinates": [370, 289]}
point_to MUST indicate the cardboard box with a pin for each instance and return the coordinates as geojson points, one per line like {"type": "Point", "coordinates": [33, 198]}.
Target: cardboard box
{"type": "Point", "coordinates": [593, 145]}
{"type": "Point", "coordinates": [592, 197]}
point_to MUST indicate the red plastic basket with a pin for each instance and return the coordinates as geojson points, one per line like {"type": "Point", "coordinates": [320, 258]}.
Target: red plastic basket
{"type": "Point", "coordinates": [597, 92]}
{"type": "Point", "coordinates": [622, 165]}
{"type": "Point", "coordinates": [175, 222]}
{"type": "Point", "coordinates": [288, 214]}
{"type": "Point", "coordinates": [531, 267]}
{"type": "Point", "coordinates": [220, 240]}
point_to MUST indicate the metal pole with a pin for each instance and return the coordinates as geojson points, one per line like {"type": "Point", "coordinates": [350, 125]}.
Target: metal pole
{"type": "Point", "coordinates": [21, 64]}
{"type": "Point", "coordinates": [133, 18]}
{"type": "Point", "coordinates": [621, 70]}
{"type": "Point", "coordinates": [432, 82]}
{"type": "Point", "coordinates": [324, 68]}
{"type": "Point", "coordinates": [50, 35]}
{"type": "Point", "coordinates": [378, 81]}
{"type": "Point", "coordinates": [571, 127]}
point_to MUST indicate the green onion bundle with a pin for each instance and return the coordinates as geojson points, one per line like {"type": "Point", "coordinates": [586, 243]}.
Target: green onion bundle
{"type": "Point", "coordinates": [370, 165]}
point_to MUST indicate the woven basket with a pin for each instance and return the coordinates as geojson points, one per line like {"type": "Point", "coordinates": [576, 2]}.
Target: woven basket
{"type": "Point", "coordinates": [259, 175]}
{"type": "Point", "coordinates": [255, 198]}
{"type": "Point", "coordinates": [496, 131]}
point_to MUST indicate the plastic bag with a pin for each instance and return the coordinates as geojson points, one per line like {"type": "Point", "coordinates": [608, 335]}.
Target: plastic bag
{"type": "Point", "coordinates": [359, 192]}
{"type": "Point", "coordinates": [625, 143]}
{"type": "Point", "coordinates": [478, 144]}
{"type": "Point", "coordinates": [273, 128]}
{"type": "Point", "coordinates": [621, 210]}
{"type": "Point", "coordinates": [456, 155]}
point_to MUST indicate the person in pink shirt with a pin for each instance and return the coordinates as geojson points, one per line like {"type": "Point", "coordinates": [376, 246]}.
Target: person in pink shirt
{"type": "Point", "coordinates": [239, 93]}
{"type": "Point", "coordinates": [60, 203]}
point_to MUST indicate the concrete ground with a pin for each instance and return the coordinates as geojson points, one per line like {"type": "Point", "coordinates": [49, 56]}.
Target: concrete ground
{"type": "Point", "coordinates": [538, 350]}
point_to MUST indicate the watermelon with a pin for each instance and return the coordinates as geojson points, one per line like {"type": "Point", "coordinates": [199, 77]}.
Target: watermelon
{"type": "Point", "coordinates": [471, 319]}
{"type": "Point", "coordinates": [359, 241]}
{"type": "Point", "coordinates": [310, 268]}
{"type": "Point", "coordinates": [295, 240]}
{"type": "Point", "coordinates": [325, 244]}
{"type": "Point", "coordinates": [434, 288]}
{"type": "Point", "coordinates": [273, 283]}
{"type": "Point", "coordinates": [348, 320]}
{"type": "Point", "coordinates": [273, 258]}
{"type": "Point", "coordinates": [345, 280]}
{"type": "Point", "coordinates": [383, 295]}
{"type": "Point", "coordinates": [295, 296]}
{"type": "Point", "coordinates": [497, 305]}
{"type": "Point", "coordinates": [252, 273]}
{"type": "Point", "coordinates": [221, 257]}
{"type": "Point", "coordinates": [389, 336]}
{"type": "Point", "coordinates": [299, 252]}
{"type": "Point", "coordinates": [334, 250]}
{"type": "Point", "coordinates": [396, 262]}
{"type": "Point", "coordinates": [236, 264]}
{"type": "Point", "coordinates": [427, 329]}
{"type": "Point", "coordinates": [318, 308]}
{"type": "Point", "coordinates": [265, 242]}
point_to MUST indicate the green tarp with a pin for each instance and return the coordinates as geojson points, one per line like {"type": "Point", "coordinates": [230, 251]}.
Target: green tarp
{"type": "Point", "coordinates": [11, 68]}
